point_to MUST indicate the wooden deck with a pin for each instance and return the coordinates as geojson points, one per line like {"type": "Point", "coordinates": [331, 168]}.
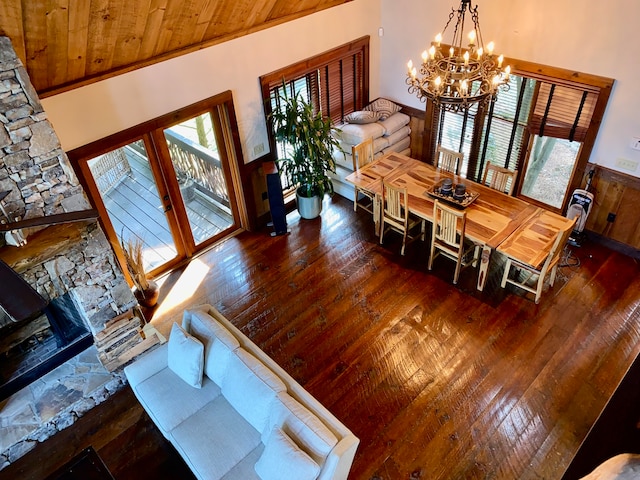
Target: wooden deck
{"type": "Point", "coordinates": [135, 208]}
{"type": "Point", "coordinates": [438, 381]}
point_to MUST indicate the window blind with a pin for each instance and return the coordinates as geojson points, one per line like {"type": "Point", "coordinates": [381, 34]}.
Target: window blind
{"type": "Point", "coordinates": [562, 112]}
{"type": "Point", "coordinates": [337, 82]}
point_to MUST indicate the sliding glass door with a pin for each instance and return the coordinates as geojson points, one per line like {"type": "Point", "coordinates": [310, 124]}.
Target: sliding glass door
{"type": "Point", "coordinates": [167, 184]}
{"type": "Point", "coordinates": [130, 195]}
{"type": "Point", "coordinates": [196, 164]}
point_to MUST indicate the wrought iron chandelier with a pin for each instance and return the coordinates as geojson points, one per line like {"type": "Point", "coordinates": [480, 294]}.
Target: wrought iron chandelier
{"type": "Point", "coordinates": [461, 77]}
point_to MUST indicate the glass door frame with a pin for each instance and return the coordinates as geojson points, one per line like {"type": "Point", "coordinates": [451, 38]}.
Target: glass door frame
{"type": "Point", "coordinates": [220, 107]}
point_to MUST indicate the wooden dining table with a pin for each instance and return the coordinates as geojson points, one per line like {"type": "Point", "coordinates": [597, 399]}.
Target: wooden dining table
{"type": "Point", "coordinates": [531, 242]}
{"type": "Point", "coordinates": [491, 218]}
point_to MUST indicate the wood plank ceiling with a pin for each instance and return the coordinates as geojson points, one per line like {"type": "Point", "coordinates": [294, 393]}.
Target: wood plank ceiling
{"type": "Point", "coordinates": [68, 43]}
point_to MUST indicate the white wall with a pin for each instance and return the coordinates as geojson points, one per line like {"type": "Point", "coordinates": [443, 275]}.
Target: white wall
{"type": "Point", "coordinates": [590, 36]}
{"type": "Point", "coordinates": [89, 113]}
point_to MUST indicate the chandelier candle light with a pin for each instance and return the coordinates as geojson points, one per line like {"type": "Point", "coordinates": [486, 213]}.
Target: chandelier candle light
{"type": "Point", "coordinates": [463, 76]}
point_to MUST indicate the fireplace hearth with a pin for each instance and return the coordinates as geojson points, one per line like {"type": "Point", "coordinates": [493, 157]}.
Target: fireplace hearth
{"type": "Point", "coordinates": [33, 347]}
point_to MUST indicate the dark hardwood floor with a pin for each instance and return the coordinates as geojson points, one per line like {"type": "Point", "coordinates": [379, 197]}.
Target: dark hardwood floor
{"type": "Point", "coordinates": [438, 381]}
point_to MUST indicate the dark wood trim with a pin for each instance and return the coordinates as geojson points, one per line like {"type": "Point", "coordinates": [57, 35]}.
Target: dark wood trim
{"type": "Point", "coordinates": [412, 111]}
{"type": "Point", "coordinates": [310, 64]}
{"type": "Point", "coordinates": [604, 173]}
{"type": "Point", "coordinates": [56, 219]}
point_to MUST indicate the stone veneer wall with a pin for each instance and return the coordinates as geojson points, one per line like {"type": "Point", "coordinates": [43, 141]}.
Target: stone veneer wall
{"type": "Point", "coordinates": [39, 176]}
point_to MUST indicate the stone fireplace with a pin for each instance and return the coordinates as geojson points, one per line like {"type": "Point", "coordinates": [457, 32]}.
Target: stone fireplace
{"type": "Point", "coordinates": [70, 264]}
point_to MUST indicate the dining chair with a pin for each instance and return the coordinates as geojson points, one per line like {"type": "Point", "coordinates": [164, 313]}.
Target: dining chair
{"type": "Point", "coordinates": [500, 178]}
{"type": "Point", "coordinates": [362, 154]}
{"type": "Point", "coordinates": [447, 238]}
{"type": "Point", "coordinates": [395, 215]}
{"type": "Point", "coordinates": [548, 267]}
{"type": "Point", "coordinates": [448, 160]}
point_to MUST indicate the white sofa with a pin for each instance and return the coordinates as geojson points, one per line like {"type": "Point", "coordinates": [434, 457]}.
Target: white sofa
{"type": "Point", "coordinates": [249, 419]}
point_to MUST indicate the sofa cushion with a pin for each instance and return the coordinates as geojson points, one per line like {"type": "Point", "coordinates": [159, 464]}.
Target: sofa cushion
{"type": "Point", "coordinates": [399, 146]}
{"type": "Point", "coordinates": [215, 439]}
{"type": "Point", "coordinates": [245, 469]}
{"type": "Point", "coordinates": [362, 117]}
{"type": "Point", "coordinates": [186, 356]}
{"type": "Point", "coordinates": [217, 340]}
{"type": "Point", "coordinates": [398, 135]}
{"type": "Point", "coordinates": [385, 107]}
{"type": "Point", "coordinates": [250, 387]}
{"type": "Point", "coordinates": [309, 433]}
{"type": "Point", "coordinates": [394, 123]}
{"type": "Point", "coordinates": [147, 365]}
{"type": "Point", "coordinates": [282, 459]}
{"type": "Point", "coordinates": [169, 401]}
{"type": "Point", "coordinates": [353, 134]}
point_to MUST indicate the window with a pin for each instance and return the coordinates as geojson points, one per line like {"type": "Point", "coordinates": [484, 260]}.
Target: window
{"type": "Point", "coordinates": [335, 83]}
{"type": "Point", "coordinates": [540, 127]}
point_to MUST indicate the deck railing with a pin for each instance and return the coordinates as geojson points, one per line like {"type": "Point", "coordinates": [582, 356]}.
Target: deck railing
{"type": "Point", "coordinates": [194, 162]}
{"type": "Point", "coordinates": [109, 169]}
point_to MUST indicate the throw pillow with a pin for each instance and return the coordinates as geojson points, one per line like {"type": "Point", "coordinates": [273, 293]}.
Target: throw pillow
{"type": "Point", "coordinates": [362, 117]}
{"type": "Point", "coordinates": [281, 459]}
{"type": "Point", "coordinates": [186, 356]}
{"type": "Point", "coordinates": [385, 107]}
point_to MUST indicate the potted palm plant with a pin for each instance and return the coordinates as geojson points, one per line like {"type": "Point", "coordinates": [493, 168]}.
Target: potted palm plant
{"type": "Point", "coordinates": [309, 144]}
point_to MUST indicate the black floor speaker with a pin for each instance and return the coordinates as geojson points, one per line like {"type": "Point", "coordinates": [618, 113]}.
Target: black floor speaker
{"type": "Point", "coordinates": [276, 199]}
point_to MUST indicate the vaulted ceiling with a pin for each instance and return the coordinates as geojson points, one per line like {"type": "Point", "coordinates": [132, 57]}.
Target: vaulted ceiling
{"type": "Point", "coordinates": [67, 43]}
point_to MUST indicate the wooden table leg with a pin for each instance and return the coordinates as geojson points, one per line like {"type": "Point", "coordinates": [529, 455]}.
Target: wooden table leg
{"type": "Point", "coordinates": [376, 214]}
{"type": "Point", "coordinates": [484, 267]}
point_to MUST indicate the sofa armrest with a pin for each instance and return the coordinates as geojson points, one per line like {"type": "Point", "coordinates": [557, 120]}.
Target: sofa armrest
{"type": "Point", "coordinates": [147, 365]}
{"type": "Point", "coordinates": [339, 461]}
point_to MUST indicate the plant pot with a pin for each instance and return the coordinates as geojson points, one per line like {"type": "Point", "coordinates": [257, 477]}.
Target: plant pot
{"type": "Point", "coordinates": [188, 190]}
{"type": "Point", "coordinates": [309, 207]}
{"type": "Point", "coordinates": [149, 296]}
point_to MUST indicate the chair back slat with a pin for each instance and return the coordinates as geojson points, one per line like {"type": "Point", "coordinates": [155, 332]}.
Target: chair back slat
{"type": "Point", "coordinates": [362, 154]}
{"type": "Point", "coordinates": [395, 199]}
{"type": "Point", "coordinates": [558, 245]}
{"type": "Point", "coordinates": [500, 178]}
{"type": "Point", "coordinates": [449, 226]}
{"type": "Point", "coordinates": [448, 160]}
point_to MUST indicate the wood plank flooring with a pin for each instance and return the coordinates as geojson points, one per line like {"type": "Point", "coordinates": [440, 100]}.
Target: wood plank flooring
{"type": "Point", "coordinates": [438, 381]}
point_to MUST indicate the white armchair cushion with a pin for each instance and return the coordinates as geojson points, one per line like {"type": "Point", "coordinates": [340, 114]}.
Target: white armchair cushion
{"type": "Point", "coordinates": [186, 356]}
{"type": "Point", "coordinates": [283, 460]}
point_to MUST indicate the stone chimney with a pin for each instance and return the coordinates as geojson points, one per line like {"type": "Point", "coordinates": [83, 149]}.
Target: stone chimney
{"type": "Point", "coordinates": [41, 182]}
